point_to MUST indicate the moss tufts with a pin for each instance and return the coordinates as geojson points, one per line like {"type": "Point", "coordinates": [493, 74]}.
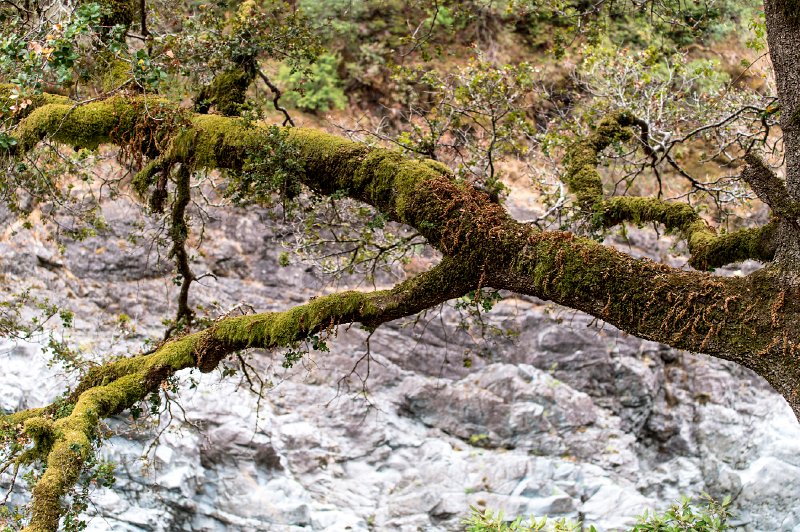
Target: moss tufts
{"type": "Point", "coordinates": [115, 75]}
{"type": "Point", "coordinates": [41, 430]}
{"type": "Point", "coordinates": [581, 175]}
{"type": "Point", "coordinates": [215, 142]}
{"type": "Point", "coordinates": [758, 244]}
{"type": "Point", "coordinates": [226, 93]}
{"type": "Point", "coordinates": [707, 250]}
{"type": "Point", "coordinates": [85, 126]}
{"type": "Point", "coordinates": [106, 391]}
{"type": "Point", "coordinates": [285, 328]}
{"type": "Point", "coordinates": [674, 216]}
{"type": "Point", "coordinates": [118, 12]}
{"type": "Point", "coordinates": [383, 178]}
{"type": "Point", "coordinates": [145, 178]}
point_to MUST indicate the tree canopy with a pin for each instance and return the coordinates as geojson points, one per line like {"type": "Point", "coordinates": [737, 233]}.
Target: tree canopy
{"type": "Point", "coordinates": [205, 111]}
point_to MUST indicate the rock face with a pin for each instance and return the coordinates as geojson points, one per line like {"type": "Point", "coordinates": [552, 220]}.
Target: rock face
{"type": "Point", "coordinates": [557, 416]}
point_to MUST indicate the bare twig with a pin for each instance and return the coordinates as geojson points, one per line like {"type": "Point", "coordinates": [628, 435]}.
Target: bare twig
{"type": "Point", "coordinates": [276, 93]}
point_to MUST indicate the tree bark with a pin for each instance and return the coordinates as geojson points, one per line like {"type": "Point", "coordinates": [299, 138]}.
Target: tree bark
{"type": "Point", "coordinates": [783, 38]}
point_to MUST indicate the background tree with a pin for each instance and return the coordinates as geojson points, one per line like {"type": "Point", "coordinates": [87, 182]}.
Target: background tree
{"type": "Point", "coordinates": [176, 100]}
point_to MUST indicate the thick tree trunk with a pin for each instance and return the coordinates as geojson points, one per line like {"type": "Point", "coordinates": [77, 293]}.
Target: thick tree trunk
{"type": "Point", "coordinates": [783, 36]}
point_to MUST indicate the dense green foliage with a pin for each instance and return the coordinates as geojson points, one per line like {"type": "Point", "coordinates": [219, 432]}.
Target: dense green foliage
{"type": "Point", "coordinates": [318, 89]}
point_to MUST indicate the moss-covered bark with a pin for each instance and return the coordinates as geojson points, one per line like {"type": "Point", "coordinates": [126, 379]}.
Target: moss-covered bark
{"type": "Point", "coordinates": [581, 175]}
{"type": "Point", "coordinates": [748, 320]}
{"type": "Point", "coordinates": [119, 12]}
{"type": "Point", "coordinates": [87, 126]}
{"type": "Point", "coordinates": [179, 232]}
{"type": "Point", "coordinates": [708, 251]}
{"type": "Point", "coordinates": [227, 92]}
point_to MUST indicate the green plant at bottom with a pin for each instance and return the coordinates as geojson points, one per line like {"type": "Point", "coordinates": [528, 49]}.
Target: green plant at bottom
{"type": "Point", "coordinates": [488, 521]}
{"type": "Point", "coordinates": [682, 516]}
{"type": "Point", "coordinates": [711, 516]}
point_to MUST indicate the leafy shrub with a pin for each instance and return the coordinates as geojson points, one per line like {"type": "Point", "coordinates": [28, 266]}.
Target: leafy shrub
{"type": "Point", "coordinates": [488, 521]}
{"type": "Point", "coordinates": [710, 516]}
{"type": "Point", "coordinates": [317, 88]}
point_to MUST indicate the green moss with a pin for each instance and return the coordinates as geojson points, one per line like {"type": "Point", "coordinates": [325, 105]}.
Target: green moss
{"type": "Point", "coordinates": [758, 244]}
{"type": "Point", "coordinates": [674, 216]}
{"type": "Point", "coordinates": [285, 328]}
{"type": "Point", "coordinates": [85, 126]}
{"type": "Point", "coordinates": [71, 440]}
{"type": "Point", "coordinates": [384, 178]}
{"type": "Point", "coordinates": [707, 250]}
{"type": "Point", "coordinates": [145, 178]}
{"type": "Point", "coordinates": [115, 75]}
{"type": "Point", "coordinates": [216, 142]}
{"type": "Point", "coordinates": [418, 193]}
{"type": "Point", "coordinates": [119, 12]}
{"type": "Point", "coordinates": [438, 167]}
{"type": "Point", "coordinates": [389, 178]}
{"type": "Point", "coordinates": [585, 183]}
{"type": "Point", "coordinates": [688, 310]}
{"type": "Point", "coordinates": [612, 128]}
{"type": "Point", "coordinates": [560, 269]}
{"type": "Point", "coordinates": [177, 355]}
{"type": "Point", "coordinates": [10, 421]}
{"type": "Point", "coordinates": [117, 385]}
{"type": "Point", "coordinates": [630, 293]}
{"type": "Point", "coordinates": [226, 93]}
{"type": "Point", "coordinates": [42, 432]}
{"type": "Point", "coordinates": [581, 175]}
{"type": "Point", "coordinates": [143, 125]}
{"type": "Point", "coordinates": [111, 389]}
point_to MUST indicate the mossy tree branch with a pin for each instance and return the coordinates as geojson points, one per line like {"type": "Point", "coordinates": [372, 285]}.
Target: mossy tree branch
{"type": "Point", "coordinates": [119, 12]}
{"type": "Point", "coordinates": [179, 231]}
{"type": "Point", "coordinates": [769, 188]}
{"type": "Point", "coordinates": [754, 321]}
{"type": "Point", "coordinates": [227, 92]}
{"type": "Point", "coordinates": [707, 249]}
{"type": "Point", "coordinates": [66, 443]}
